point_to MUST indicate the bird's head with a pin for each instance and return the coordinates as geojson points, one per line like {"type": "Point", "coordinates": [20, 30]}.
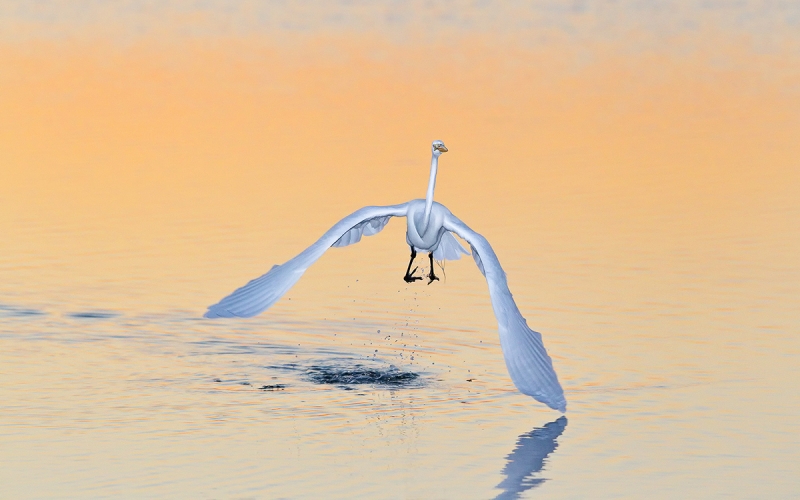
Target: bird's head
{"type": "Point", "coordinates": [438, 148]}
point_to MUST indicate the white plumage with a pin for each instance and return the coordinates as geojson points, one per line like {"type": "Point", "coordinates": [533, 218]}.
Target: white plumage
{"type": "Point", "coordinates": [429, 228]}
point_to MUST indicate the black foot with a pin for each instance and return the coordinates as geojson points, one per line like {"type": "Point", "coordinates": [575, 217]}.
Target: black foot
{"type": "Point", "coordinates": [410, 278]}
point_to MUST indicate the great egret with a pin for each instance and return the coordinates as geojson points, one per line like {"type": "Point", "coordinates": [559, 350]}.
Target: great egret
{"type": "Point", "coordinates": [430, 225]}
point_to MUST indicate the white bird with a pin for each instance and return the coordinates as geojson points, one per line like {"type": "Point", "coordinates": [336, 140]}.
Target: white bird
{"type": "Point", "coordinates": [430, 225]}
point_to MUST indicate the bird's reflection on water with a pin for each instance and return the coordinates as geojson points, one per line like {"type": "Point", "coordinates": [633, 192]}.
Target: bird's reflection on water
{"type": "Point", "coordinates": [528, 457]}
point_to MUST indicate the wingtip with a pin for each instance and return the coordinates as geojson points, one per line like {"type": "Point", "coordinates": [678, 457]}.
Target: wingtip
{"type": "Point", "coordinates": [559, 404]}
{"type": "Point", "coordinates": [555, 401]}
{"type": "Point", "coordinates": [214, 313]}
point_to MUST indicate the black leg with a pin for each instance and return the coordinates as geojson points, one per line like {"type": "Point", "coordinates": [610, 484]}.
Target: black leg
{"type": "Point", "coordinates": [431, 277]}
{"type": "Point", "coordinates": [409, 273]}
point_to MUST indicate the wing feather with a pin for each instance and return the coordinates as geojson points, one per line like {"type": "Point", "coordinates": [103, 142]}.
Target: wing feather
{"type": "Point", "coordinates": [260, 293]}
{"type": "Point", "coordinates": [526, 358]}
{"type": "Point", "coordinates": [449, 248]}
{"type": "Point", "coordinates": [364, 228]}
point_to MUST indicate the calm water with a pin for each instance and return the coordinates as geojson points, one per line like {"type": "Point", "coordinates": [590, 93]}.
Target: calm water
{"type": "Point", "coordinates": [635, 170]}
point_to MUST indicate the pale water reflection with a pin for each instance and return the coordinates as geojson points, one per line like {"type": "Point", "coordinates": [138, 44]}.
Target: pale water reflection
{"type": "Point", "coordinates": [528, 458]}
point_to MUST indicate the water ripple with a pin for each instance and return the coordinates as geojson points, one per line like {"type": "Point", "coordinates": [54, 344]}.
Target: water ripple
{"type": "Point", "coordinates": [13, 311]}
{"type": "Point", "coordinates": [93, 315]}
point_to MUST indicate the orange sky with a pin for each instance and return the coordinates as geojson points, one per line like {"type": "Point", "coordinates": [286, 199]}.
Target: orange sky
{"type": "Point", "coordinates": [149, 118]}
{"type": "Point", "coordinates": [129, 141]}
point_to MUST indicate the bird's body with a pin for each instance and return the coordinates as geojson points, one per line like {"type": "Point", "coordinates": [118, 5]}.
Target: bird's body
{"type": "Point", "coordinates": [430, 228]}
{"type": "Point", "coordinates": [425, 237]}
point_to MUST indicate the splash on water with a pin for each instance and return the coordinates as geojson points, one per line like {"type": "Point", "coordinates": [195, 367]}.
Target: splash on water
{"type": "Point", "coordinates": [272, 387]}
{"type": "Point", "coordinates": [354, 374]}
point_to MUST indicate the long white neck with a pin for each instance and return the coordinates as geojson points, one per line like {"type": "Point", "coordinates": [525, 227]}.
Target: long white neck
{"type": "Point", "coordinates": [429, 197]}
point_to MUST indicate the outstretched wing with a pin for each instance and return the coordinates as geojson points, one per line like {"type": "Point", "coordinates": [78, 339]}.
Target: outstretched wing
{"type": "Point", "coordinates": [260, 293]}
{"type": "Point", "coordinates": [364, 228]}
{"type": "Point", "coordinates": [527, 361]}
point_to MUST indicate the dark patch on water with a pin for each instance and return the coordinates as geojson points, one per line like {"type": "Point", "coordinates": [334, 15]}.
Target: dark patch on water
{"type": "Point", "coordinates": [362, 374]}
{"type": "Point", "coordinates": [93, 315]}
{"type": "Point", "coordinates": [274, 387]}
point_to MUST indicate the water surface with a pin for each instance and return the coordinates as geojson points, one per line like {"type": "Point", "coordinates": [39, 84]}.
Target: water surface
{"type": "Point", "coordinates": [636, 170]}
